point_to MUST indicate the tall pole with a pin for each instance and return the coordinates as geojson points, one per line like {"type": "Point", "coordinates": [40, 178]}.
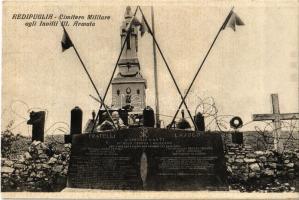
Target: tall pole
{"type": "Point", "coordinates": [202, 63]}
{"type": "Point", "coordinates": [155, 73]}
{"type": "Point", "coordinates": [83, 65]}
{"type": "Point", "coordinates": [168, 68]}
{"type": "Point", "coordinates": [92, 82]}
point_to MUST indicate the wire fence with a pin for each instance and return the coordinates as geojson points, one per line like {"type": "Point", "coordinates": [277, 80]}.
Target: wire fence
{"type": "Point", "coordinates": [20, 116]}
{"type": "Point", "coordinates": [263, 130]}
{"type": "Point", "coordinates": [206, 106]}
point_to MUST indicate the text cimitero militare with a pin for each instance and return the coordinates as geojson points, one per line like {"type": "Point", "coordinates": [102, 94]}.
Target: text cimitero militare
{"type": "Point", "coordinates": [31, 20]}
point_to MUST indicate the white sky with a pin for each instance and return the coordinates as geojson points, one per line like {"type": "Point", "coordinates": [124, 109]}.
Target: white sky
{"type": "Point", "coordinates": [241, 72]}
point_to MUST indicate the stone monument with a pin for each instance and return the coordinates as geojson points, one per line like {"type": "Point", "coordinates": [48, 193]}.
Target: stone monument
{"type": "Point", "coordinates": [128, 87]}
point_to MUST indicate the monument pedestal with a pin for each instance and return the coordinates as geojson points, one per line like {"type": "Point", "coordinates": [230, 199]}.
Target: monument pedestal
{"type": "Point", "coordinates": [147, 159]}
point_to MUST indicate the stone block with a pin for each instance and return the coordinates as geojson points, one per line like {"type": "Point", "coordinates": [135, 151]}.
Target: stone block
{"type": "Point", "coordinates": [254, 167]}
{"type": "Point", "coordinates": [290, 165]}
{"type": "Point", "coordinates": [240, 156]}
{"type": "Point", "coordinates": [6, 169]}
{"type": "Point", "coordinates": [19, 166]}
{"type": "Point", "coordinates": [272, 165]}
{"type": "Point", "coordinates": [271, 159]}
{"type": "Point", "coordinates": [291, 170]}
{"type": "Point", "coordinates": [57, 168]}
{"type": "Point", "coordinates": [251, 155]}
{"type": "Point", "coordinates": [3, 160]}
{"type": "Point", "coordinates": [43, 146]}
{"type": "Point", "coordinates": [5, 175]}
{"type": "Point", "coordinates": [268, 172]}
{"type": "Point", "coordinates": [249, 160]}
{"type": "Point", "coordinates": [27, 155]}
{"type": "Point", "coordinates": [38, 166]}
{"type": "Point", "coordinates": [33, 174]}
{"type": "Point", "coordinates": [35, 143]}
{"type": "Point", "coordinates": [251, 174]}
{"type": "Point", "coordinates": [29, 179]}
{"type": "Point", "coordinates": [269, 153]}
{"type": "Point", "coordinates": [238, 160]}
{"type": "Point", "coordinates": [8, 163]}
{"type": "Point", "coordinates": [67, 146]}
{"type": "Point", "coordinates": [40, 151]}
{"type": "Point", "coordinates": [46, 166]}
{"type": "Point", "coordinates": [52, 160]}
{"type": "Point", "coordinates": [43, 156]}
{"type": "Point", "coordinates": [286, 161]}
{"type": "Point", "coordinates": [259, 153]}
{"type": "Point", "coordinates": [263, 158]}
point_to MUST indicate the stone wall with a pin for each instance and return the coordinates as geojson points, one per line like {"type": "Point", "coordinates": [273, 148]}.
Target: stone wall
{"type": "Point", "coordinates": [264, 171]}
{"type": "Point", "coordinates": [13, 144]}
{"type": "Point", "coordinates": [41, 168]}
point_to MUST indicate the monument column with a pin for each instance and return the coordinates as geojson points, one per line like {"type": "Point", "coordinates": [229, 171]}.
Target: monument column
{"type": "Point", "coordinates": [128, 87]}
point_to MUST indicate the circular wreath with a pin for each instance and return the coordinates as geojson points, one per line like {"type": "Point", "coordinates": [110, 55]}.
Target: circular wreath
{"type": "Point", "coordinates": [236, 122]}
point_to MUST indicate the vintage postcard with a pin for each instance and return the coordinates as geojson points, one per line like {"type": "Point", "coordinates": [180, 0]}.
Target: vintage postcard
{"type": "Point", "coordinates": [150, 99]}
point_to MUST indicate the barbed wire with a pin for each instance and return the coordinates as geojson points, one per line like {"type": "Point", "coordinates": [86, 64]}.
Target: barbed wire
{"type": "Point", "coordinates": [55, 127]}
{"type": "Point", "coordinates": [206, 106]}
{"type": "Point", "coordinates": [264, 130]}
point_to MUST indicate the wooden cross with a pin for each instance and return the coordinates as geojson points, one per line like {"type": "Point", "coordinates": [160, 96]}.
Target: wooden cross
{"type": "Point", "coordinates": [276, 117]}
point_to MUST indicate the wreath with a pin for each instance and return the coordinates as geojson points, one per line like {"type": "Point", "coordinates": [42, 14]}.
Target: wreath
{"type": "Point", "coordinates": [236, 122]}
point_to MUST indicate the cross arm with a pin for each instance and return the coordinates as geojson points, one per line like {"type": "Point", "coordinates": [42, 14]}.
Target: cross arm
{"type": "Point", "coordinates": [283, 116]}
{"type": "Point", "coordinates": [289, 116]}
{"type": "Point", "coordinates": [262, 117]}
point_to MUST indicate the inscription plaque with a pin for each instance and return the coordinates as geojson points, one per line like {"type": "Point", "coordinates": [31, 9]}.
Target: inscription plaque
{"type": "Point", "coordinates": [147, 159]}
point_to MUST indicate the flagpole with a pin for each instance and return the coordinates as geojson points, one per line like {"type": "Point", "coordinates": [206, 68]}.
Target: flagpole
{"type": "Point", "coordinates": [168, 68]}
{"type": "Point", "coordinates": [202, 63]}
{"type": "Point", "coordinates": [92, 82]}
{"type": "Point", "coordinates": [155, 73]}
{"type": "Point", "coordinates": [95, 87]}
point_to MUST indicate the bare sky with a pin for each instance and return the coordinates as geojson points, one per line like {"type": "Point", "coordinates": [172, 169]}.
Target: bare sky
{"type": "Point", "coordinates": [241, 72]}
